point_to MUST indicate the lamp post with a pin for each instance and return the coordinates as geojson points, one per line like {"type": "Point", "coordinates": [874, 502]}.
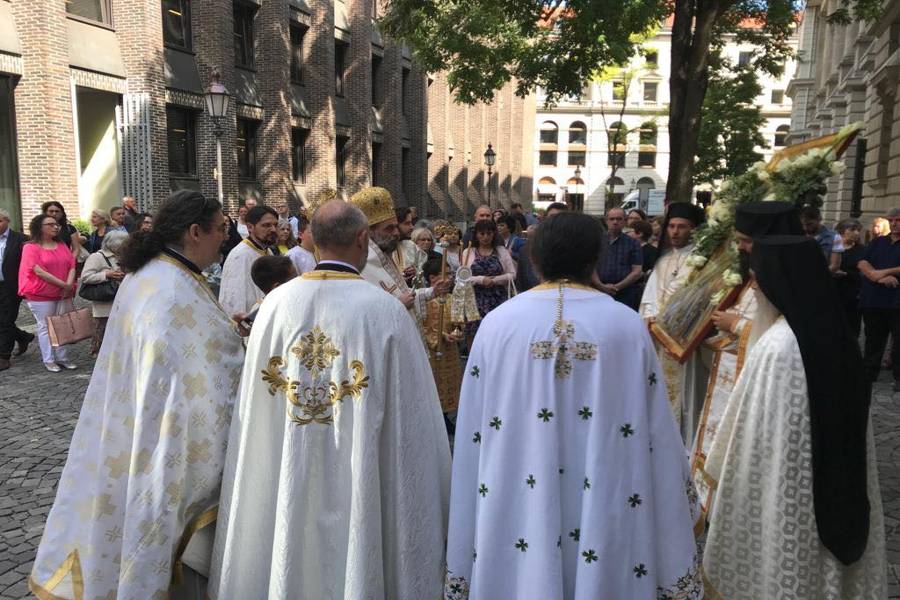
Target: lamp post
{"type": "Point", "coordinates": [577, 183]}
{"type": "Point", "coordinates": [217, 107]}
{"type": "Point", "coordinates": [490, 157]}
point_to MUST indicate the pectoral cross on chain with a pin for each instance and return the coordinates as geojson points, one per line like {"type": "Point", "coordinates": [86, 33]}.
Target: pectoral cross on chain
{"type": "Point", "coordinates": [560, 348]}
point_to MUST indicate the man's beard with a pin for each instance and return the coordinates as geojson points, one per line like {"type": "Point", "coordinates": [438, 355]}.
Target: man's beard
{"type": "Point", "coordinates": [387, 243]}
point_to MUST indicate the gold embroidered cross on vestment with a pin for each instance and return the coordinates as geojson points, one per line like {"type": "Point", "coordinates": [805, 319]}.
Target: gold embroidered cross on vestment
{"type": "Point", "coordinates": [314, 398]}
{"type": "Point", "coordinates": [560, 348]}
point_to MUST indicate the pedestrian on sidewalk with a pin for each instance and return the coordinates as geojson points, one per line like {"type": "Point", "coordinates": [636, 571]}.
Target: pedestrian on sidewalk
{"type": "Point", "coordinates": [100, 267]}
{"type": "Point", "coordinates": [47, 282]}
{"type": "Point", "coordinates": [10, 256]}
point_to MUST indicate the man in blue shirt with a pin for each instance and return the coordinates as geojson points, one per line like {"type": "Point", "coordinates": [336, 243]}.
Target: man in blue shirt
{"type": "Point", "coordinates": [879, 298]}
{"type": "Point", "coordinates": [620, 267]}
{"type": "Point", "coordinates": [829, 241]}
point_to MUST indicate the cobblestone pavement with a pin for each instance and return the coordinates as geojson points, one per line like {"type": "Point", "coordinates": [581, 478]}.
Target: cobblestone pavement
{"type": "Point", "coordinates": [38, 411]}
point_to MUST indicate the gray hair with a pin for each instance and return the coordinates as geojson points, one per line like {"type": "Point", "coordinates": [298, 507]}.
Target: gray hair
{"type": "Point", "coordinates": [846, 224]}
{"type": "Point", "coordinates": [336, 224]}
{"type": "Point", "coordinates": [417, 233]}
{"type": "Point", "coordinates": [4, 214]}
{"type": "Point", "coordinates": [894, 212]}
{"type": "Point", "coordinates": [113, 241]}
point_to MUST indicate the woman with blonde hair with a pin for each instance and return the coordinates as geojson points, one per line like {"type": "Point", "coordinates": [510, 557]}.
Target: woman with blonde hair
{"type": "Point", "coordinates": [101, 223]}
{"type": "Point", "coordinates": [100, 267]}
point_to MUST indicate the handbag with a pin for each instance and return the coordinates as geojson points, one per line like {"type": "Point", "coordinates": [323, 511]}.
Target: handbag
{"type": "Point", "coordinates": [70, 327]}
{"type": "Point", "coordinates": [104, 291]}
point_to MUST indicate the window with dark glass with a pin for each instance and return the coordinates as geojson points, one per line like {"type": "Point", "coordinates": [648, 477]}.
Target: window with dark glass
{"type": "Point", "coordinates": [547, 158]}
{"type": "Point", "coordinates": [616, 158]}
{"type": "Point", "coordinates": [650, 91]}
{"type": "Point", "coordinates": [652, 59]}
{"type": "Point", "coordinates": [777, 96]}
{"type": "Point", "coordinates": [341, 49]}
{"type": "Point", "coordinates": [576, 158]}
{"type": "Point", "coordinates": [549, 133]}
{"type": "Point", "coordinates": [647, 153]}
{"type": "Point", "coordinates": [744, 58]}
{"type": "Point", "coordinates": [781, 135]}
{"type": "Point", "coordinates": [298, 32]}
{"type": "Point", "coordinates": [299, 138]}
{"type": "Point", "coordinates": [246, 148]}
{"type": "Point", "coordinates": [9, 179]}
{"type": "Point", "coordinates": [376, 164]}
{"type": "Point", "coordinates": [177, 23]}
{"type": "Point", "coordinates": [182, 141]}
{"type": "Point", "coordinates": [404, 91]}
{"type": "Point", "coordinates": [340, 159]}
{"type": "Point", "coordinates": [377, 84]}
{"type": "Point", "coordinates": [619, 91]}
{"type": "Point", "coordinates": [243, 34]}
{"type": "Point", "coordinates": [578, 133]}
{"type": "Point", "coordinates": [91, 10]}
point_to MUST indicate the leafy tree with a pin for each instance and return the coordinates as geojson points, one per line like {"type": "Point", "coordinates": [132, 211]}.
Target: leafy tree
{"type": "Point", "coordinates": [731, 124]}
{"type": "Point", "coordinates": [559, 44]}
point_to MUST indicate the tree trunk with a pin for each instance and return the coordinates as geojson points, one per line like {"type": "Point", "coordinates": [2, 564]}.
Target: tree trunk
{"type": "Point", "coordinates": [692, 32]}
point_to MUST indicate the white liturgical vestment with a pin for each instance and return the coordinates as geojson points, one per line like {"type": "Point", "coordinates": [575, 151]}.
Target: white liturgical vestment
{"type": "Point", "coordinates": [237, 292]}
{"type": "Point", "coordinates": [382, 271]}
{"type": "Point", "coordinates": [303, 259]}
{"type": "Point", "coordinates": [338, 470]}
{"type": "Point", "coordinates": [763, 541]}
{"type": "Point", "coordinates": [570, 479]}
{"type": "Point", "coordinates": [145, 463]}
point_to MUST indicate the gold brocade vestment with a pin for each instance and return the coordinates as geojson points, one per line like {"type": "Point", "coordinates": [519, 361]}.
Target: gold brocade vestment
{"type": "Point", "coordinates": [443, 355]}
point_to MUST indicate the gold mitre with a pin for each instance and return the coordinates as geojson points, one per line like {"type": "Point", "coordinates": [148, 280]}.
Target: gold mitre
{"type": "Point", "coordinates": [376, 204]}
{"type": "Point", "coordinates": [321, 198]}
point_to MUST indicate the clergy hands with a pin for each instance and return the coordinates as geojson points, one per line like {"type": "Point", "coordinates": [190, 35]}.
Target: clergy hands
{"type": "Point", "coordinates": [409, 272]}
{"type": "Point", "coordinates": [724, 321]}
{"type": "Point", "coordinates": [441, 287]}
{"type": "Point", "coordinates": [238, 318]}
{"type": "Point", "coordinates": [407, 298]}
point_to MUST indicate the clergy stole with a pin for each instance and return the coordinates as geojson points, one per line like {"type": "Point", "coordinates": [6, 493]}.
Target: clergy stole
{"type": "Point", "coordinates": [443, 355]}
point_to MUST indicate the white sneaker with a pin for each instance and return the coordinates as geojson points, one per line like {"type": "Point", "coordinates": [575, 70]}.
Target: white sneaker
{"type": "Point", "coordinates": [70, 366]}
{"type": "Point", "coordinates": [52, 367]}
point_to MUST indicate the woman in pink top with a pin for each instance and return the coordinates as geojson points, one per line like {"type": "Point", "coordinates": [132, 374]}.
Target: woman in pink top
{"type": "Point", "coordinates": [47, 282]}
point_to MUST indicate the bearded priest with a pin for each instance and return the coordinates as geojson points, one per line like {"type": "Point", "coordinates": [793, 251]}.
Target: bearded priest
{"type": "Point", "coordinates": [798, 510]}
{"type": "Point", "coordinates": [570, 479]}
{"type": "Point", "coordinates": [144, 468]}
{"type": "Point", "coordinates": [237, 293]}
{"type": "Point", "coordinates": [337, 474]}
{"type": "Point", "coordinates": [384, 236]}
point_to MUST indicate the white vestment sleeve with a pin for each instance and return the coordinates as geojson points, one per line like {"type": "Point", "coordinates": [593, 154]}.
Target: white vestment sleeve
{"type": "Point", "coordinates": [648, 306]}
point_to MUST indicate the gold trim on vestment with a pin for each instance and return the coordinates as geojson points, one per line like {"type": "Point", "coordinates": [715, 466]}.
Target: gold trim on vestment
{"type": "Point", "coordinates": [324, 275]}
{"type": "Point", "coordinates": [72, 565]}
{"type": "Point", "coordinates": [554, 285]}
{"type": "Point", "coordinates": [205, 518]}
{"type": "Point", "coordinates": [709, 590]}
{"type": "Point", "coordinates": [255, 249]}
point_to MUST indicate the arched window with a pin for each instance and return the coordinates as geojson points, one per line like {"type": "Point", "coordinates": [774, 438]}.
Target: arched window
{"type": "Point", "coordinates": [577, 134]}
{"type": "Point", "coordinates": [614, 191]}
{"type": "Point", "coordinates": [549, 144]}
{"type": "Point", "coordinates": [647, 152]}
{"type": "Point", "coordinates": [618, 144]}
{"type": "Point", "coordinates": [781, 135]}
{"type": "Point", "coordinates": [577, 144]}
{"type": "Point", "coordinates": [547, 189]}
{"type": "Point", "coordinates": [614, 181]}
{"type": "Point", "coordinates": [644, 185]}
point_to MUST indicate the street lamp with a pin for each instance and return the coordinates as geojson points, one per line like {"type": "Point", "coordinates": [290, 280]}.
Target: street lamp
{"type": "Point", "coordinates": [217, 107]}
{"type": "Point", "coordinates": [490, 157]}
{"type": "Point", "coordinates": [576, 183]}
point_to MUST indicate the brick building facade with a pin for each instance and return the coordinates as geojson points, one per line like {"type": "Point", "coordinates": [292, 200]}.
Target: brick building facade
{"type": "Point", "coordinates": [104, 98]}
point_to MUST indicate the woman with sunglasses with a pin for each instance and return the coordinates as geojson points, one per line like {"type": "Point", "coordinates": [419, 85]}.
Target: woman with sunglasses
{"type": "Point", "coordinates": [47, 282]}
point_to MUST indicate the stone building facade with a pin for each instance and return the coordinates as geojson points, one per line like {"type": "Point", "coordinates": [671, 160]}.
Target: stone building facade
{"type": "Point", "coordinates": [847, 74]}
{"type": "Point", "coordinates": [574, 134]}
{"type": "Point", "coordinates": [104, 98]}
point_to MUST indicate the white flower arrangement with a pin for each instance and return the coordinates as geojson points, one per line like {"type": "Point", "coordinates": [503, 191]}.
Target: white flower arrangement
{"type": "Point", "coordinates": [798, 179]}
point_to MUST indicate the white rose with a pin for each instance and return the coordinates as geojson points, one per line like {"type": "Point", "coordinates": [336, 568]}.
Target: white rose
{"type": "Point", "coordinates": [732, 279]}
{"type": "Point", "coordinates": [759, 166]}
{"type": "Point", "coordinates": [718, 297]}
{"type": "Point", "coordinates": [719, 211]}
{"type": "Point", "coordinates": [696, 261]}
{"type": "Point", "coordinates": [763, 176]}
{"type": "Point", "coordinates": [837, 168]}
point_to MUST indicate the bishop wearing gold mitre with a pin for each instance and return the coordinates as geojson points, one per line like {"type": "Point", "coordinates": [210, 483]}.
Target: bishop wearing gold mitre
{"type": "Point", "coordinates": [384, 236]}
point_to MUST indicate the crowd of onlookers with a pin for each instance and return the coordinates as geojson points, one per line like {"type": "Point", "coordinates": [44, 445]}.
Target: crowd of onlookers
{"type": "Point", "coordinates": [61, 260]}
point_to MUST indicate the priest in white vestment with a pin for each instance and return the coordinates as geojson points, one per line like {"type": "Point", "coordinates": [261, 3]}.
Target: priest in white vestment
{"type": "Point", "coordinates": [570, 479]}
{"type": "Point", "coordinates": [798, 510]}
{"type": "Point", "coordinates": [381, 269]}
{"type": "Point", "coordinates": [685, 382]}
{"type": "Point", "coordinates": [145, 463]}
{"type": "Point", "coordinates": [337, 476]}
{"type": "Point", "coordinates": [237, 293]}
